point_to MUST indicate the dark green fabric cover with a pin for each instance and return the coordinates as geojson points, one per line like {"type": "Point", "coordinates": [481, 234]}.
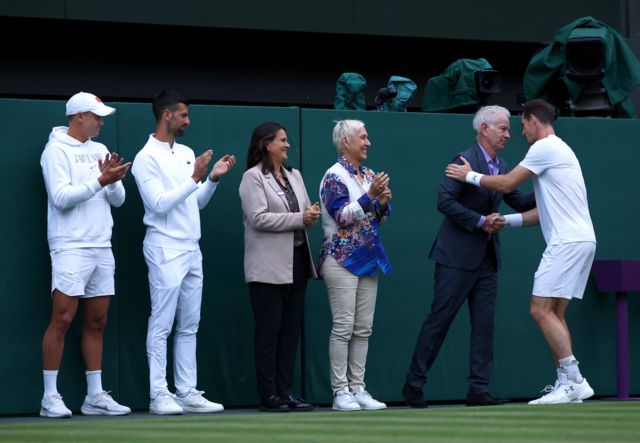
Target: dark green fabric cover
{"type": "Point", "coordinates": [349, 92]}
{"type": "Point", "coordinates": [622, 73]}
{"type": "Point", "coordinates": [405, 88]}
{"type": "Point", "coordinates": [455, 87]}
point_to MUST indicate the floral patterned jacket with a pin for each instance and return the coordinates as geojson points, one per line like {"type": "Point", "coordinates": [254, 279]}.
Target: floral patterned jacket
{"type": "Point", "coordinates": [351, 220]}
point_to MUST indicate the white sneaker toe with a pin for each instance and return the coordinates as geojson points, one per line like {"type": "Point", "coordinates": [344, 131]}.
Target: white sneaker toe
{"type": "Point", "coordinates": [194, 401]}
{"type": "Point", "coordinates": [52, 406]}
{"type": "Point", "coordinates": [367, 402]}
{"type": "Point", "coordinates": [103, 404]}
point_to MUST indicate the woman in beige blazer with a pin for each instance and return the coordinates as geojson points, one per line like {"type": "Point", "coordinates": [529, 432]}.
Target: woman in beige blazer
{"type": "Point", "coordinates": [277, 262]}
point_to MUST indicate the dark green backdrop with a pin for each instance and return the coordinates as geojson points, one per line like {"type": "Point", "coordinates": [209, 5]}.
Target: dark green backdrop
{"type": "Point", "coordinates": [470, 19]}
{"type": "Point", "coordinates": [413, 148]}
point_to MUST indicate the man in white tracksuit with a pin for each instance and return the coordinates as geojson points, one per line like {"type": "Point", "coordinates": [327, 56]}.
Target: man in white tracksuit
{"type": "Point", "coordinates": [169, 177]}
{"type": "Point", "coordinates": [83, 181]}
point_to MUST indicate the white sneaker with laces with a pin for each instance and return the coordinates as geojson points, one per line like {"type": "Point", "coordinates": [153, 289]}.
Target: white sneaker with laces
{"type": "Point", "coordinates": [343, 400]}
{"type": "Point", "coordinates": [367, 402]}
{"type": "Point", "coordinates": [550, 388]}
{"type": "Point", "coordinates": [165, 404]}
{"type": "Point", "coordinates": [103, 404]}
{"type": "Point", "coordinates": [195, 402]}
{"type": "Point", "coordinates": [565, 391]}
{"type": "Point", "coordinates": [52, 406]}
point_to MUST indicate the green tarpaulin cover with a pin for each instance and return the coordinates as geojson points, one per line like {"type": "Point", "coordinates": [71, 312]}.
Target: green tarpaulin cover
{"type": "Point", "coordinates": [455, 87]}
{"type": "Point", "coordinates": [349, 92]}
{"type": "Point", "coordinates": [405, 89]}
{"type": "Point", "coordinates": [621, 76]}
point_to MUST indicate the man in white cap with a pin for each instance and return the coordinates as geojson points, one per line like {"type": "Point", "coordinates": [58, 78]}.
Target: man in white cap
{"type": "Point", "coordinates": [83, 181]}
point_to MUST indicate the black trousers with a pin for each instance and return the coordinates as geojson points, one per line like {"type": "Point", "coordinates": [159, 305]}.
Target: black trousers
{"type": "Point", "coordinates": [452, 287]}
{"type": "Point", "coordinates": [278, 310]}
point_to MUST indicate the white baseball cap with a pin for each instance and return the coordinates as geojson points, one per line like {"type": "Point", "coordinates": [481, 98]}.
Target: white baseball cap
{"type": "Point", "coordinates": [85, 102]}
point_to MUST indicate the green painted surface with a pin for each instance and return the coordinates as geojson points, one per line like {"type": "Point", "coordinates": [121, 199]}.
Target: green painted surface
{"type": "Point", "coordinates": [414, 149]}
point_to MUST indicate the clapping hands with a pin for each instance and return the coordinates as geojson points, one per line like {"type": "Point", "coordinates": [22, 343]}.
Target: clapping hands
{"type": "Point", "coordinates": [379, 189]}
{"type": "Point", "coordinates": [113, 168]}
{"type": "Point", "coordinates": [220, 168]}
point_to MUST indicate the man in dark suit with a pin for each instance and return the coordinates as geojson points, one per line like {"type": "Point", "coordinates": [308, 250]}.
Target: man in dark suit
{"type": "Point", "coordinates": [467, 256]}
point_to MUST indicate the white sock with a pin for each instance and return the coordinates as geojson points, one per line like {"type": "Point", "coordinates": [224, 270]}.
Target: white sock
{"type": "Point", "coordinates": [94, 382]}
{"type": "Point", "coordinates": [50, 382]}
{"type": "Point", "coordinates": [558, 372]}
{"type": "Point", "coordinates": [569, 365]}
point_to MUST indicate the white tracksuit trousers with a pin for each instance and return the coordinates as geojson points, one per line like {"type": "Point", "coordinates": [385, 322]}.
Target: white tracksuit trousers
{"type": "Point", "coordinates": [175, 282]}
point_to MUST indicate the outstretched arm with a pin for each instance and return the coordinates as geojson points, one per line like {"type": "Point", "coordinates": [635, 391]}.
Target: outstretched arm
{"type": "Point", "coordinates": [501, 183]}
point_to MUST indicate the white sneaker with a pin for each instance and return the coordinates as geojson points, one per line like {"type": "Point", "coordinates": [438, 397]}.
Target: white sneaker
{"type": "Point", "coordinates": [583, 389]}
{"type": "Point", "coordinates": [550, 388]}
{"type": "Point", "coordinates": [565, 391]}
{"type": "Point", "coordinates": [165, 404]}
{"type": "Point", "coordinates": [367, 402]}
{"type": "Point", "coordinates": [195, 402]}
{"type": "Point", "coordinates": [103, 404]}
{"type": "Point", "coordinates": [343, 400]}
{"type": "Point", "coordinates": [52, 406]}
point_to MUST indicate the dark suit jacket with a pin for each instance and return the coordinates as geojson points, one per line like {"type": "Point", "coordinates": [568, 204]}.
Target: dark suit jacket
{"type": "Point", "coordinates": [460, 244]}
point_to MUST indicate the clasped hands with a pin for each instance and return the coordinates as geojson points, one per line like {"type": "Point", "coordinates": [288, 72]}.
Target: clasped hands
{"type": "Point", "coordinates": [220, 168]}
{"type": "Point", "coordinates": [494, 223]}
{"type": "Point", "coordinates": [311, 214]}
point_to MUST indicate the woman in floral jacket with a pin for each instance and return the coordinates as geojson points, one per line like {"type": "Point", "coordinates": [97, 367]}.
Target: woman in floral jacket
{"type": "Point", "coordinates": [354, 202]}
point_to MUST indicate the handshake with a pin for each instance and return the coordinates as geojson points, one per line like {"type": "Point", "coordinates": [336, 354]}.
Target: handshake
{"type": "Point", "coordinates": [494, 223]}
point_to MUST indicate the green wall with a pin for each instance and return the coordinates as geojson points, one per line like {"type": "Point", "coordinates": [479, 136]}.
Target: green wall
{"type": "Point", "coordinates": [502, 20]}
{"type": "Point", "coordinates": [414, 149]}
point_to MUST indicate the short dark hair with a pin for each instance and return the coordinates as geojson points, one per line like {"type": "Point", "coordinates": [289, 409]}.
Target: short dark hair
{"type": "Point", "coordinates": [262, 135]}
{"type": "Point", "coordinates": [544, 111]}
{"type": "Point", "coordinates": [167, 99]}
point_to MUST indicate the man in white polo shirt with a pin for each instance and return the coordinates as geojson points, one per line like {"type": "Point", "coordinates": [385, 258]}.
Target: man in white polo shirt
{"type": "Point", "coordinates": [83, 181]}
{"type": "Point", "coordinates": [563, 213]}
{"type": "Point", "coordinates": [169, 176]}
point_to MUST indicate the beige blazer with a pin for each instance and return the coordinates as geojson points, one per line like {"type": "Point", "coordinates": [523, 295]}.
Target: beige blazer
{"type": "Point", "coordinates": [269, 226]}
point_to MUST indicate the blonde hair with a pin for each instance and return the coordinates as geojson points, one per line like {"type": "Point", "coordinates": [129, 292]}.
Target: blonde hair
{"type": "Point", "coordinates": [345, 129]}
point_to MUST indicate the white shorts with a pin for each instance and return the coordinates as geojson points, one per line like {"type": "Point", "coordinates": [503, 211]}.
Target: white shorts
{"type": "Point", "coordinates": [83, 272]}
{"type": "Point", "coordinates": [564, 270]}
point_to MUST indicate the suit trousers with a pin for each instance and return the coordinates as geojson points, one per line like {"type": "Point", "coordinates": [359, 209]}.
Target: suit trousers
{"type": "Point", "coordinates": [278, 311]}
{"type": "Point", "coordinates": [452, 287]}
{"type": "Point", "coordinates": [175, 282]}
{"type": "Point", "coordinates": [352, 300]}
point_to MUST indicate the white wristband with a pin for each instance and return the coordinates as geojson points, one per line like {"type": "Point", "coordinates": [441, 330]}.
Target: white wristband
{"type": "Point", "coordinates": [473, 178]}
{"type": "Point", "coordinates": [513, 220]}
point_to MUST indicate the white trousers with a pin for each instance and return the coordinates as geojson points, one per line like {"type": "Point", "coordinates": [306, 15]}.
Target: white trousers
{"type": "Point", "coordinates": [175, 283]}
{"type": "Point", "coordinates": [353, 301]}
